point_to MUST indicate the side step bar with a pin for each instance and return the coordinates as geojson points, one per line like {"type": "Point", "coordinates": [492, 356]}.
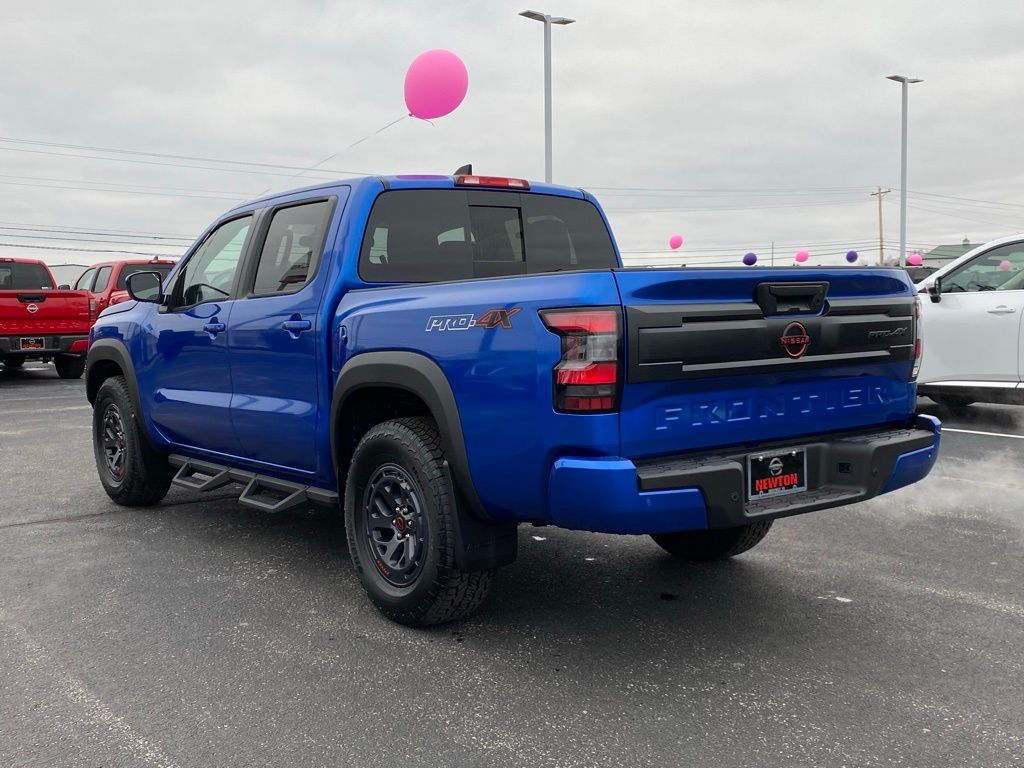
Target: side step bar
{"type": "Point", "coordinates": [267, 494]}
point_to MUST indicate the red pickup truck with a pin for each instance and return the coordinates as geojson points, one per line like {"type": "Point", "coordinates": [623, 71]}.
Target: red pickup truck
{"type": "Point", "coordinates": [106, 281]}
{"type": "Point", "coordinates": [40, 322]}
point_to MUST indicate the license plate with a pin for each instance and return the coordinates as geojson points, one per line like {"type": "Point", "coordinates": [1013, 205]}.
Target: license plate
{"type": "Point", "coordinates": [776, 473]}
{"type": "Point", "coordinates": [33, 342]}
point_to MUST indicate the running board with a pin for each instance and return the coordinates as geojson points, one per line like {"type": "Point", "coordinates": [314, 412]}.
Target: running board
{"type": "Point", "coordinates": [268, 494]}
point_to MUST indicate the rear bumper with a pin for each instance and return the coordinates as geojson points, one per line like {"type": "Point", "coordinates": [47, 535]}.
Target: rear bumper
{"type": "Point", "coordinates": [55, 345]}
{"type": "Point", "coordinates": [615, 495]}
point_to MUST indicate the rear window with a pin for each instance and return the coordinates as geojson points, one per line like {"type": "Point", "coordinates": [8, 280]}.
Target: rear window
{"type": "Point", "coordinates": [15, 276]}
{"type": "Point", "coordinates": [131, 269]}
{"type": "Point", "coordinates": [427, 235]}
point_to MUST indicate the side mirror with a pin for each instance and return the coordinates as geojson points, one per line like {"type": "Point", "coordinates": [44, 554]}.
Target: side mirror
{"type": "Point", "coordinates": [935, 290]}
{"type": "Point", "coordinates": [145, 286]}
{"type": "Point", "coordinates": [64, 287]}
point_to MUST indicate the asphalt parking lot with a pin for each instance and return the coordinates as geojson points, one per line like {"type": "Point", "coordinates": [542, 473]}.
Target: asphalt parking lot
{"type": "Point", "coordinates": [200, 633]}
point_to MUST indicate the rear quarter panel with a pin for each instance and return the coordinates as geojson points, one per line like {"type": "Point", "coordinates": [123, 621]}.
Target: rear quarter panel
{"type": "Point", "coordinates": [501, 377]}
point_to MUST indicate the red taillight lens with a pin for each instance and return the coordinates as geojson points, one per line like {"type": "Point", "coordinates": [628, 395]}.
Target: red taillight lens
{"type": "Point", "coordinates": [586, 379]}
{"type": "Point", "coordinates": [491, 181]}
{"type": "Point", "coordinates": [79, 346]}
{"type": "Point", "coordinates": [92, 309]}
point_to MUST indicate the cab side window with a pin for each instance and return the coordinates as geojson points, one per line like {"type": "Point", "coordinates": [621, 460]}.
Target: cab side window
{"type": "Point", "coordinates": [84, 283]}
{"type": "Point", "coordinates": [102, 279]}
{"type": "Point", "coordinates": [209, 274]}
{"type": "Point", "coordinates": [1001, 269]}
{"type": "Point", "coordinates": [292, 250]}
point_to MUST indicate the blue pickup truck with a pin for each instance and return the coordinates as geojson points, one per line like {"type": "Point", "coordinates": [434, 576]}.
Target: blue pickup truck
{"type": "Point", "coordinates": [444, 358]}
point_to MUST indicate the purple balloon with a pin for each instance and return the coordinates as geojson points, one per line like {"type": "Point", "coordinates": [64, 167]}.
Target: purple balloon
{"type": "Point", "coordinates": [435, 84]}
{"type": "Point", "coordinates": [851, 256]}
{"type": "Point", "coordinates": [750, 259]}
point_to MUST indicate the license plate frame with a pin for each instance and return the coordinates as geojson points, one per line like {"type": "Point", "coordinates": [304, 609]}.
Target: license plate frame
{"type": "Point", "coordinates": [764, 482]}
{"type": "Point", "coordinates": [32, 343]}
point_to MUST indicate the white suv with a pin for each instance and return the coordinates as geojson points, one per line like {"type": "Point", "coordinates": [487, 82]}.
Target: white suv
{"type": "Point", "coordinates": [973, 336]}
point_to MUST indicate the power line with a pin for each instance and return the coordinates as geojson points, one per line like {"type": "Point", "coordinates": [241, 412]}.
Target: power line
{"type": "Point", "coordinates": [80, 250]}
{"type": "Point", "coordinates": [179, 246]}
{"type": "Point", "coordinates": [181, 240]}
{"type": "Point", "coordinates": [57, 227]}
{"type": "Point", "coordinates": [126, 184]}
{"type": "Point", "coordinates": [120, 191]}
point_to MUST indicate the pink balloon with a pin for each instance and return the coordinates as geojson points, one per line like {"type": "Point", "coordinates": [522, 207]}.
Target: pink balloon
{"type": "Point", "coordinates": [435, 84]}
{"type": "Point", "coordinates": [675, 241]}
{"type": "Point", "coordinates": [915, 259]}
{"type": "Point", "coordinates": [802, 256]}
{"type": "Point", "coordinates": [1005, 265]}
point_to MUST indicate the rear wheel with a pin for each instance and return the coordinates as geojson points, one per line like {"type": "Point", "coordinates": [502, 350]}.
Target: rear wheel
{"type": "Point", "coordinates": [952, 402]}
{"type": "Point", "coordinates": [69, 367]}
{"type": "Point", "coordinates": [10, 363]}
{"type": "Point", "coordinates": [400, 520]}
{"type": "Point", "coordinates": [715, 544]}
{"type": "Point", "coordinates": [132, 473]}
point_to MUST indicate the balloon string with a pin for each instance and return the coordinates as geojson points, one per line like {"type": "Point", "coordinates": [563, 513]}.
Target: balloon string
{"type": "Point", "coordinates": [345, 149]}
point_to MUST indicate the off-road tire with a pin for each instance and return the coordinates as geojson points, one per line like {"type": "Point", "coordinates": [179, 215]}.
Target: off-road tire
{"type": "Point", "coordinates": [952, 402]}
{"type": "Point", "coordinates": [145, 476]}
{"type": "Point", "coordinates": [714, 544]}
{"type": "Point", "coordinates": [440, 592]}
{"type": "Point", "coordinates": [69, 367]}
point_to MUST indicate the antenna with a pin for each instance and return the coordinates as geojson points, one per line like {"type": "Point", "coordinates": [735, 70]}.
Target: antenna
{"type": "Point", "coordinates": [465, 170]}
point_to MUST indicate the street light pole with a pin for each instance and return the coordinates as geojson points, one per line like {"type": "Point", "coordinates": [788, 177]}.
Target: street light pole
{"type": "Point", "coordinates": [547, 20]}
{"type": "Point", "coordinates": [905, 81]}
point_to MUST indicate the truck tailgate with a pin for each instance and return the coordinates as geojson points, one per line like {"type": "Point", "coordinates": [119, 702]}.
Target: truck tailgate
{"type": "Point", "coordinates": [722, 357]}
{"type": "Point", "coordinates": [44, 312]}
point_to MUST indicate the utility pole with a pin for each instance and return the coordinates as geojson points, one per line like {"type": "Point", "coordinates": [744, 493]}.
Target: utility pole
{"type": "Point", "coordinates": [773, 253]}
{"type": "Point", "coordinates": [881, 240]}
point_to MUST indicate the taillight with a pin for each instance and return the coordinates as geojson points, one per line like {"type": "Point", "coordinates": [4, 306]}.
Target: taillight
{"type": "Point", "coordinates": [586, 379]}
{"type": "Point", "coordinates": [918, 346]}
{"type": "Point", "coordinates": [92, 309]}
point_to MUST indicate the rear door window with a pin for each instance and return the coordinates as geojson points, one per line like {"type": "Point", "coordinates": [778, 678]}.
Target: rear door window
{"type": "Point", "coordinates": [292, 250]}
{"type": "Point", "coordinates": [102, 279]}
{"type": "Point", "coordinates": [417, 236]}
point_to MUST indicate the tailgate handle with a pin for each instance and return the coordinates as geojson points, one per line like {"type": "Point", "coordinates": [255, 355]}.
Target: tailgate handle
{"type": "Point", "coordinates": [31, 298]}
{"type": "Point", "coordinates": [791, 298]}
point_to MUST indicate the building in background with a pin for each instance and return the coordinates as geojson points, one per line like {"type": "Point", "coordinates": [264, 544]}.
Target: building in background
{"type": "Point", "coordinates": [943, 254]}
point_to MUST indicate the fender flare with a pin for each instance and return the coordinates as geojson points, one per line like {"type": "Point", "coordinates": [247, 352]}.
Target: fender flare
{"type": "Point", "coordinates": [115, 351]}
{"type": "Point", "coordinates": [421, 376]}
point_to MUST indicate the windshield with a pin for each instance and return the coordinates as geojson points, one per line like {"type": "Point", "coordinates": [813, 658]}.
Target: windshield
{"type": "Point", "coordinates": [17, 276]}
{"type": "Point", "coordinates": [427, 235]}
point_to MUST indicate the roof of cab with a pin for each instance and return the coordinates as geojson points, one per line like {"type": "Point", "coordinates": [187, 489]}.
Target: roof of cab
{"type": "Point", "coordinates": [405, 181]}
{"type": "Point", "coordinates": [20, 260]}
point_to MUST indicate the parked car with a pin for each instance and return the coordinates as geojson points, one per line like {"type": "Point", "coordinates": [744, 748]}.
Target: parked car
{"type": "Point", "coordinates": [41, 322]}
{"type": "Point", "coordinates": [106, 281]}
{"type": "Point", "coordinates": [917, 274]}
{"type": "Point", "coordinates": [445, 358]}
{"type": "Point", "coordinates": [974, 340]}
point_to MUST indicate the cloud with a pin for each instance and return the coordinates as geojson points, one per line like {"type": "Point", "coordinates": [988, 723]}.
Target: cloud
{"type": "Point", "coordinates": [775, 114]}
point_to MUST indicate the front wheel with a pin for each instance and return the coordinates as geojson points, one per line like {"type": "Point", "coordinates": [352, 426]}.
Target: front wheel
{"type": "Point", "coordinates": [400, 520]}
{"type": "Point", "coordinates": [69, 367]}
{"type": "Point", "coordinates": [714, 544]}
{"type": "Point", "coordinates": [132, 473]}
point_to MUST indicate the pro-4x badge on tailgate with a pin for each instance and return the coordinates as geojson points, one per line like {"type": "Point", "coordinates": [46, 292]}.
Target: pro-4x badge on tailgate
{"type": "Point", "coordinates": [492, 318]}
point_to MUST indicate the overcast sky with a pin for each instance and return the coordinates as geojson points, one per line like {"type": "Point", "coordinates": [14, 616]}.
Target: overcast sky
{"type": "Point", "coordinates": [766, 121]}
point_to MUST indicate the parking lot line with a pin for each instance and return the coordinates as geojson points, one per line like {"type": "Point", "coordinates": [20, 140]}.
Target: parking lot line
{"type": "Point", "coordinates": [986, 434]}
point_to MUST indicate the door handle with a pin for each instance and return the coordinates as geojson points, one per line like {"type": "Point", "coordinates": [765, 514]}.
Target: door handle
{"type": "Point", "coordinates": [1002, 309]}
{"type": "Point", "coordinates": [214, 328]}
{"type": "Point", "coordinates": [295, 326]}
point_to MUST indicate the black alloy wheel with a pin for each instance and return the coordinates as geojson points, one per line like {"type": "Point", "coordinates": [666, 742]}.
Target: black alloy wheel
{"type": "Point", "coordinates": [395, 524]}
{"type": "Point", "coordinates": [114, 443]}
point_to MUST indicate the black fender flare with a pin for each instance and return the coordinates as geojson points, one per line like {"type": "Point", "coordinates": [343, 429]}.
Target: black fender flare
{"type": "Point", "coordinates": [421, 376]}
{"type": "Point", "coordinates": [115, 351]}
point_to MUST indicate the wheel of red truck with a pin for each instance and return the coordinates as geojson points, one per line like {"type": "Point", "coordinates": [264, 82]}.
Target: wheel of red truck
{"type": "Point", "coordinates": [132, 473]}
{"type": "Point", "coordinates": [400, 522]}
{"type": "Point", "coordinates": [10, 363]}
{"type": "Point", "coordinates": [69, 367]}
{"type": "Point", "coordinates": [715, 544]}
